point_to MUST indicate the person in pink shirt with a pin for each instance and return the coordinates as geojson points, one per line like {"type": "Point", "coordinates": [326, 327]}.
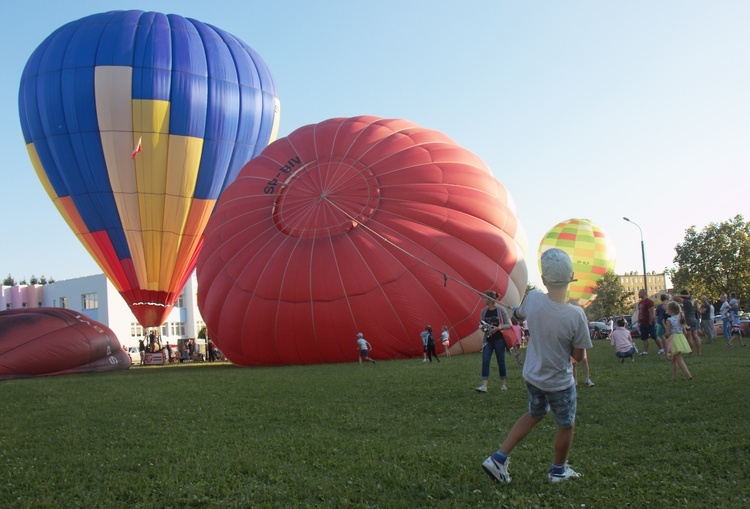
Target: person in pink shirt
{"type": "Point", "coordinates": [623, 342]}
{"type": "Point", "coordinates": [519, 339]}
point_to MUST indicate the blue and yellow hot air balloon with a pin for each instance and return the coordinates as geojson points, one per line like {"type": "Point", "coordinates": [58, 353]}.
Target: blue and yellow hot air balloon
{"type": "Point", "coordinates": [135, 123]}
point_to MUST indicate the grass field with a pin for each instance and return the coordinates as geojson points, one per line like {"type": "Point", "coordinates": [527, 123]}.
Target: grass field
{"type": "Point", "coordinates": [398, 434]}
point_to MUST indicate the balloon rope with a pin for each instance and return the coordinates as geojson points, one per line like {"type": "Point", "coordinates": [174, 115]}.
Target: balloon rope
{"type": "Point", "coordinates": [446, 277]}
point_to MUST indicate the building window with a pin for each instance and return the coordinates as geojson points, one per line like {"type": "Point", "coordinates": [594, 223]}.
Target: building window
{"type": "Point", "coordinates": [8, 306]}
{"type": "Point", "coordinates": [89, 301]}
{"type": "Point", "coordinates": [23, 305]}
{"type": "Point", "coordinates": [165, 329]}
{"type": "Point", "coordinates": [136, 330]}
{"type": "Point", "coordinates": [177, 329]}
{"type": "Point", "coordinates": [63, 303]}
{"type": "Point", "coordinates": [180, 301]}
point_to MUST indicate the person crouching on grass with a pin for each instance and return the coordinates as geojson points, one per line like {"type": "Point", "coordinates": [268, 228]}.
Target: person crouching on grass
{"type": "Point", "coordinates": [623, 342]}
{"type": "Point", "coordinates": [677, 343]}
{"type": "Point", "coordinates": [558, 332]}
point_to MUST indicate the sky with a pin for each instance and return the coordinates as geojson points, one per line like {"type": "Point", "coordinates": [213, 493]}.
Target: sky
{"type": "Point", "coordinates": [582, 109]}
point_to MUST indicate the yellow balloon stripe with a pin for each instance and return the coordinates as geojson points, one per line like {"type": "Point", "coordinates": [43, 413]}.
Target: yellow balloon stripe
{"type": "Point", "coordinates": [154, 191]}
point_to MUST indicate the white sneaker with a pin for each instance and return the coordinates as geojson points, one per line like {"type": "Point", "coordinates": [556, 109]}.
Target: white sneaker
{"type": "Point", "coordinates": [503, 387]}
{"type": "Point", "coordinates": [482, 388]}
{"type": "Point", "coordinates": [568, 473]}
{"type": "Point", "coordinates": [424, 360]}
{"type": "Point", "coordinates": [644, 353]}
{"type": "Point", "coordinates": [660, 352]}
{"type": "Point", "coordinates": [589, 383]}
{"type": "Point", "coordinates": [497, 471]}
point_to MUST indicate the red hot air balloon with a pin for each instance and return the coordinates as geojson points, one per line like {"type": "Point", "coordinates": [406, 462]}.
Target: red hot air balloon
{"type": "Point", "coordinates": [355, 225]}
{"type": "Point", "coordinates": [135, 122]}
{"type": "Point", "coordinates": [55, 341]}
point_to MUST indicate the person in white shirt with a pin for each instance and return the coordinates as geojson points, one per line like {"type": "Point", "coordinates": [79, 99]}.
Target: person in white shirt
{"type": "Point", "coordinates": [558, 331]}
{"type": "Point", "coordinates": [364, 348]}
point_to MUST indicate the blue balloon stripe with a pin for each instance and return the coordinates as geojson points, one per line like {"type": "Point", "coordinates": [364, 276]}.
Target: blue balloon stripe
{"type": "Point", "coordinates": [80, 114]}
{"type": "Point", "coordinates": [152, 58]}
{"type": "Point", "coordinates": [189, 98]}
{"type": "Point", "coordinates": [116, 41]}
{"type": "Point", "coordinates": [188, 53]}
{"type": "Point", "coordinates": [218, 153]}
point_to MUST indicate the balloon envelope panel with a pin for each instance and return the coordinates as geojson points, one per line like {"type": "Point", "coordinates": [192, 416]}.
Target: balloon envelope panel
{"type": "Point", "coordinates": [355, 225]}
{"type": "Point", "coordinates": [590, 250]}
{"type": "Point", "coordinates": [135, 122]}
{"type": "Point", "coordinates": [54, 341]}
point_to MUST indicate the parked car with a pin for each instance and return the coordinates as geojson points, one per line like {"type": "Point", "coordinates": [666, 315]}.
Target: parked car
{"type": "Point", "coordinates": [135, 355]}
{"type": "Point", "coordinates": [614, 320]}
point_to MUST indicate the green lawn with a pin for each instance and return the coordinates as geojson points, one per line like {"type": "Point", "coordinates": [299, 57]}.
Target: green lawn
{"type": "Point", "coordinates": [398, 434]}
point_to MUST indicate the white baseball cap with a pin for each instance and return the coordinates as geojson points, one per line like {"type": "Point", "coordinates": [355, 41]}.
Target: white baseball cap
{"type": "Point", "coordinates": [557, 267]}
{"type": "Point", "coordinates": [360, 335]}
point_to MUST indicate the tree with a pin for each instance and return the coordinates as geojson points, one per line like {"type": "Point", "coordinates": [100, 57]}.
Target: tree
{"type": "Point", "coordinates": [610, 298]}
{"type": "Point", "coordinates": [202, 333]}
{"type": "Point", "coordinates": [715, 260]}
{"type": "Point", "coordinates": [41, 280]}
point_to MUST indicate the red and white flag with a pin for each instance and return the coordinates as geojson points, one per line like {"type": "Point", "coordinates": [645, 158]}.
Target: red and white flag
{"type": "Point", "coordinates": [137, 148]}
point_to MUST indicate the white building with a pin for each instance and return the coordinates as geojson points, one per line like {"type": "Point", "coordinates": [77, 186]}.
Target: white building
{"type": "Point", "coordinates": [97, 298]}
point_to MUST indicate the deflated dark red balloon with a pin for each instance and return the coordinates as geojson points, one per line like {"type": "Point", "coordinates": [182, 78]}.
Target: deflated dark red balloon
{"type": "Point", "coordinates": [356, 225]}
{"type": "Point", "coordinates": [54, 341]}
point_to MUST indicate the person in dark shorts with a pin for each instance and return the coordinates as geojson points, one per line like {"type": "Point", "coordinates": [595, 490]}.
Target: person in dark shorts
{"type": "Point", "coordinates": [646, 325]}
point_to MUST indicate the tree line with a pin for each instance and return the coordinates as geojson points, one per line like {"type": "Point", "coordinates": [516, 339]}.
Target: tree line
{"type": "Point", "coordinates": [33, 280]}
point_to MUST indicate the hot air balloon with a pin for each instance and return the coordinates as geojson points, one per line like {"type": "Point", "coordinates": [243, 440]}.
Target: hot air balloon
{"type": "Point", "coordinates": [355, 225]}
{"type": "Point", "coordinates": [56, 341]}
{"type": "Point", "coordinates": [135, 122]}
{"type": "Point", "coordinates": [592, 253]}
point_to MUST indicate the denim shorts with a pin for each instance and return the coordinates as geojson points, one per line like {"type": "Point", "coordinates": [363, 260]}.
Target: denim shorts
{"type": "Point", "coordinates": [562, 403]}
{"type": "Point", "coordinates": [623, 355]}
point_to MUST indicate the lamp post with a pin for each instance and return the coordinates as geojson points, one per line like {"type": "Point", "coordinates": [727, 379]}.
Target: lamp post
{"type": "Point", "coordinates": [643, 254]}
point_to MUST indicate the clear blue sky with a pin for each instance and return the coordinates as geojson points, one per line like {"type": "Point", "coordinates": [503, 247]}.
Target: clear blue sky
{"type": "Point", "coordinates": [586, 109]}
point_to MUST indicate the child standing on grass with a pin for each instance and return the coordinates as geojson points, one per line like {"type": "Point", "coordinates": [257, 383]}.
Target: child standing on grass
{"type": "Point", "coordinates": [558, 331]}
{"type": "Point", "coordinates": [445, 339]}
{"type": "Point", "coordinates": [677, 343]}
{"type": "Point", "coordinates": [429, 343]}
{"type": "Point", "coordinates": [519, 340]}
{"type": "Point", "coordinates": [734, 317]}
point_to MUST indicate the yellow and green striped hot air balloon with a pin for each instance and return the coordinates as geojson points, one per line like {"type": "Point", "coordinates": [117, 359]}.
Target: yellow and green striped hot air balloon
{"type": "Point", "coordinates": [591, 251]}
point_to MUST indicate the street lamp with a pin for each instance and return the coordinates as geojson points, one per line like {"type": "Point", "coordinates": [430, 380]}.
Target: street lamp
{"type": "Point", "coordinates": [643, 254]}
